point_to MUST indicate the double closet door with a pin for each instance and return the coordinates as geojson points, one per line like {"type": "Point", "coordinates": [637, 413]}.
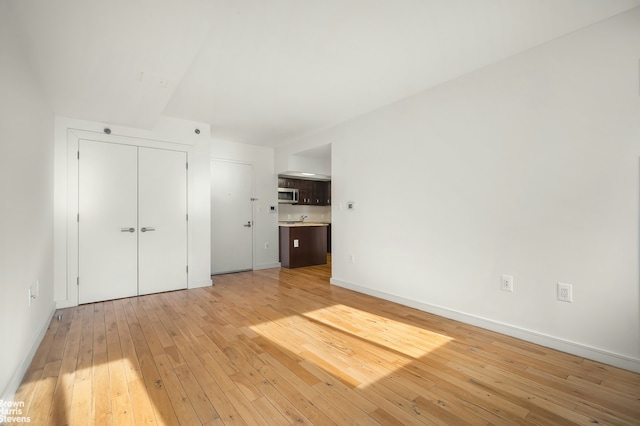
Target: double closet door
{"type": "Point", "coordinates": [132, 221]}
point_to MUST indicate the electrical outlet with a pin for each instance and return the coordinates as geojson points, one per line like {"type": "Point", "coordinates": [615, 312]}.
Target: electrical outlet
{"type": "Point", "coordinates": [565, 292]}
{"type": "Point", "coordinates": [506, 283]}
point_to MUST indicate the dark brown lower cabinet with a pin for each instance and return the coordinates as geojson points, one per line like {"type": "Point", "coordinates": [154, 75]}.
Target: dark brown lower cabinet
{"type": "Point", "coordinates": [303, 246]}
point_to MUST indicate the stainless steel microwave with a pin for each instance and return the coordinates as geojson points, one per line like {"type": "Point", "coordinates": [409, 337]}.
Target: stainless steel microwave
{"type": "Point", "coordinates": [288, 196]}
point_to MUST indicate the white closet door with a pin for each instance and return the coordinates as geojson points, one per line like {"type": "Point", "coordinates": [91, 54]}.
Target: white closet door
{"type": "Point", "coordinates": [231, 217]}
{"type": "Point", "coordinates": [162, 210]}
{"type": "Point", "coordinates": [107, 227]}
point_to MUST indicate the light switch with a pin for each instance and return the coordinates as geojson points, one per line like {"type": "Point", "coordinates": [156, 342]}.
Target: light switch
{"type": "Point", "coordinates": [295, 243]}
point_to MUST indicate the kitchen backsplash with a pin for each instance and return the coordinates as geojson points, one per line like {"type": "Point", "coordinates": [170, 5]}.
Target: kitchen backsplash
{"type": "Point", "coordinates": [313, 213]}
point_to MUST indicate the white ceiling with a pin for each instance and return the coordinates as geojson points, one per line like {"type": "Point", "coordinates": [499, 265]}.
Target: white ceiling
{"type": "Point", "coordinates": [267, 72]}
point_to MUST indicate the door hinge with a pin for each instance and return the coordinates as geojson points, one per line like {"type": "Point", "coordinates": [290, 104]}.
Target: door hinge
{"type": "Point", "coordinates": [187, 166]}
{"type": "Point", "coordinates": [187, 269]}
{"type": "Point", "coordinates": [78, 281]}
{"type": "Point", "coordinates": [78, 155]}
{"type": "Point", "coordinates": [78, 217]}
{"type": "Point", "coordinates": [187, 217]}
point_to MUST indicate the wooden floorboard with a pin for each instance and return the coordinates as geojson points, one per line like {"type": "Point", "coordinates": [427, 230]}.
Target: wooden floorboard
{"type": "Point", "coordinates": [282, 346]}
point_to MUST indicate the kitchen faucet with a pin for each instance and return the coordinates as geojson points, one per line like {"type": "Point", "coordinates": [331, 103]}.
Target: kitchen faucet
{"type": "Point", "coordinates": [302, 218]}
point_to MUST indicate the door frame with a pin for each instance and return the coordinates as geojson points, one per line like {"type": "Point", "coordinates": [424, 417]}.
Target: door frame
{"type": "Point", "coordinates": [73, 138]}
{"type": "Point", "coordinates": [253, 204]}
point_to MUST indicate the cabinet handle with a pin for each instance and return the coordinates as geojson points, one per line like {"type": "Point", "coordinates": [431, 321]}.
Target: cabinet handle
{"type": "Point", "coordinates": [127, 229]}
{"type": "Point", "coordinates": [148, 229]}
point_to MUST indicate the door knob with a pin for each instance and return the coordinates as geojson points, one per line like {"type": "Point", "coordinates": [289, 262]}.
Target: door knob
{"type": "Point", "coordinates": [247, 225]}
{"type": "Point", "coordinates": [147, 229]}
{"type": "Point", "coordinates": [127, 229]}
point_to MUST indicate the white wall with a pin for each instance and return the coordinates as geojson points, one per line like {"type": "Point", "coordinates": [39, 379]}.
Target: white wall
{"type": "Point", "coordinates": [265, 190]}
{"type": "Point", "coordinates": [26, 216]}
{"type": "Point", "coordinates": [286, 158]}
{"type": "Point", "coordinates": [528, 167]}
{"type": "Point", "coordinates": [166, 131]}
{"type": "Point", "coordinates": [305, 164]}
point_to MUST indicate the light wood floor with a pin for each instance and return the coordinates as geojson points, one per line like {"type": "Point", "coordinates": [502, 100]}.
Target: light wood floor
{"type": "Point", "coordinates": [285, 347]}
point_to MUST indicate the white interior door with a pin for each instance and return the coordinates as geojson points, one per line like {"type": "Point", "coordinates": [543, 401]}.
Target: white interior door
{"type": "Point", "coordinates": [162, 217]}
{"type": "Point", "coordinates": [107, 221]}
{"type": "Point", "coordinates": [231, 217]}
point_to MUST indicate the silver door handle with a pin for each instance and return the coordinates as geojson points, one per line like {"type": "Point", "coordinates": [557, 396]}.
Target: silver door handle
{"type": "Point", "coordinates": [247, 225]}
{"type": "Point", "coordinates": [127, 229]}
{"type": "Point", "coordinates": [148, 229]}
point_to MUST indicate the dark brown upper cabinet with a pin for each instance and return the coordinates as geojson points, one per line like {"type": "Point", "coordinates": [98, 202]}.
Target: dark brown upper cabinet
{"type": "Point", "coordinates": [312, 192]}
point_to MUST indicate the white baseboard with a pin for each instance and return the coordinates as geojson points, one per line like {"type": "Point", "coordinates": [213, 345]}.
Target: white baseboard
{"type": "Point", "coordinates": [267, 266]}
{"type": "Point", "coordinates": [578, 349]}
{"type": "Point", "coordinates": [16, 379]}
{"type": "Point", "coordinates": [63, 304]}
{"type": "Point", "coordinates": [203, 283]}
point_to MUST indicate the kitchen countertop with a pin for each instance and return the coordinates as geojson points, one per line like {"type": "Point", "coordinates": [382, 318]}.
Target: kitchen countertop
{"type": "Point", "coordinates": [292, 224]}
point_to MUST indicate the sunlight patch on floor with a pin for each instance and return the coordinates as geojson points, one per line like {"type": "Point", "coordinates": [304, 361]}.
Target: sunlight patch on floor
{"type": "Point", "coordinates": [397, 335]}
{"type": "Point", "coordinates": [334, 339]}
